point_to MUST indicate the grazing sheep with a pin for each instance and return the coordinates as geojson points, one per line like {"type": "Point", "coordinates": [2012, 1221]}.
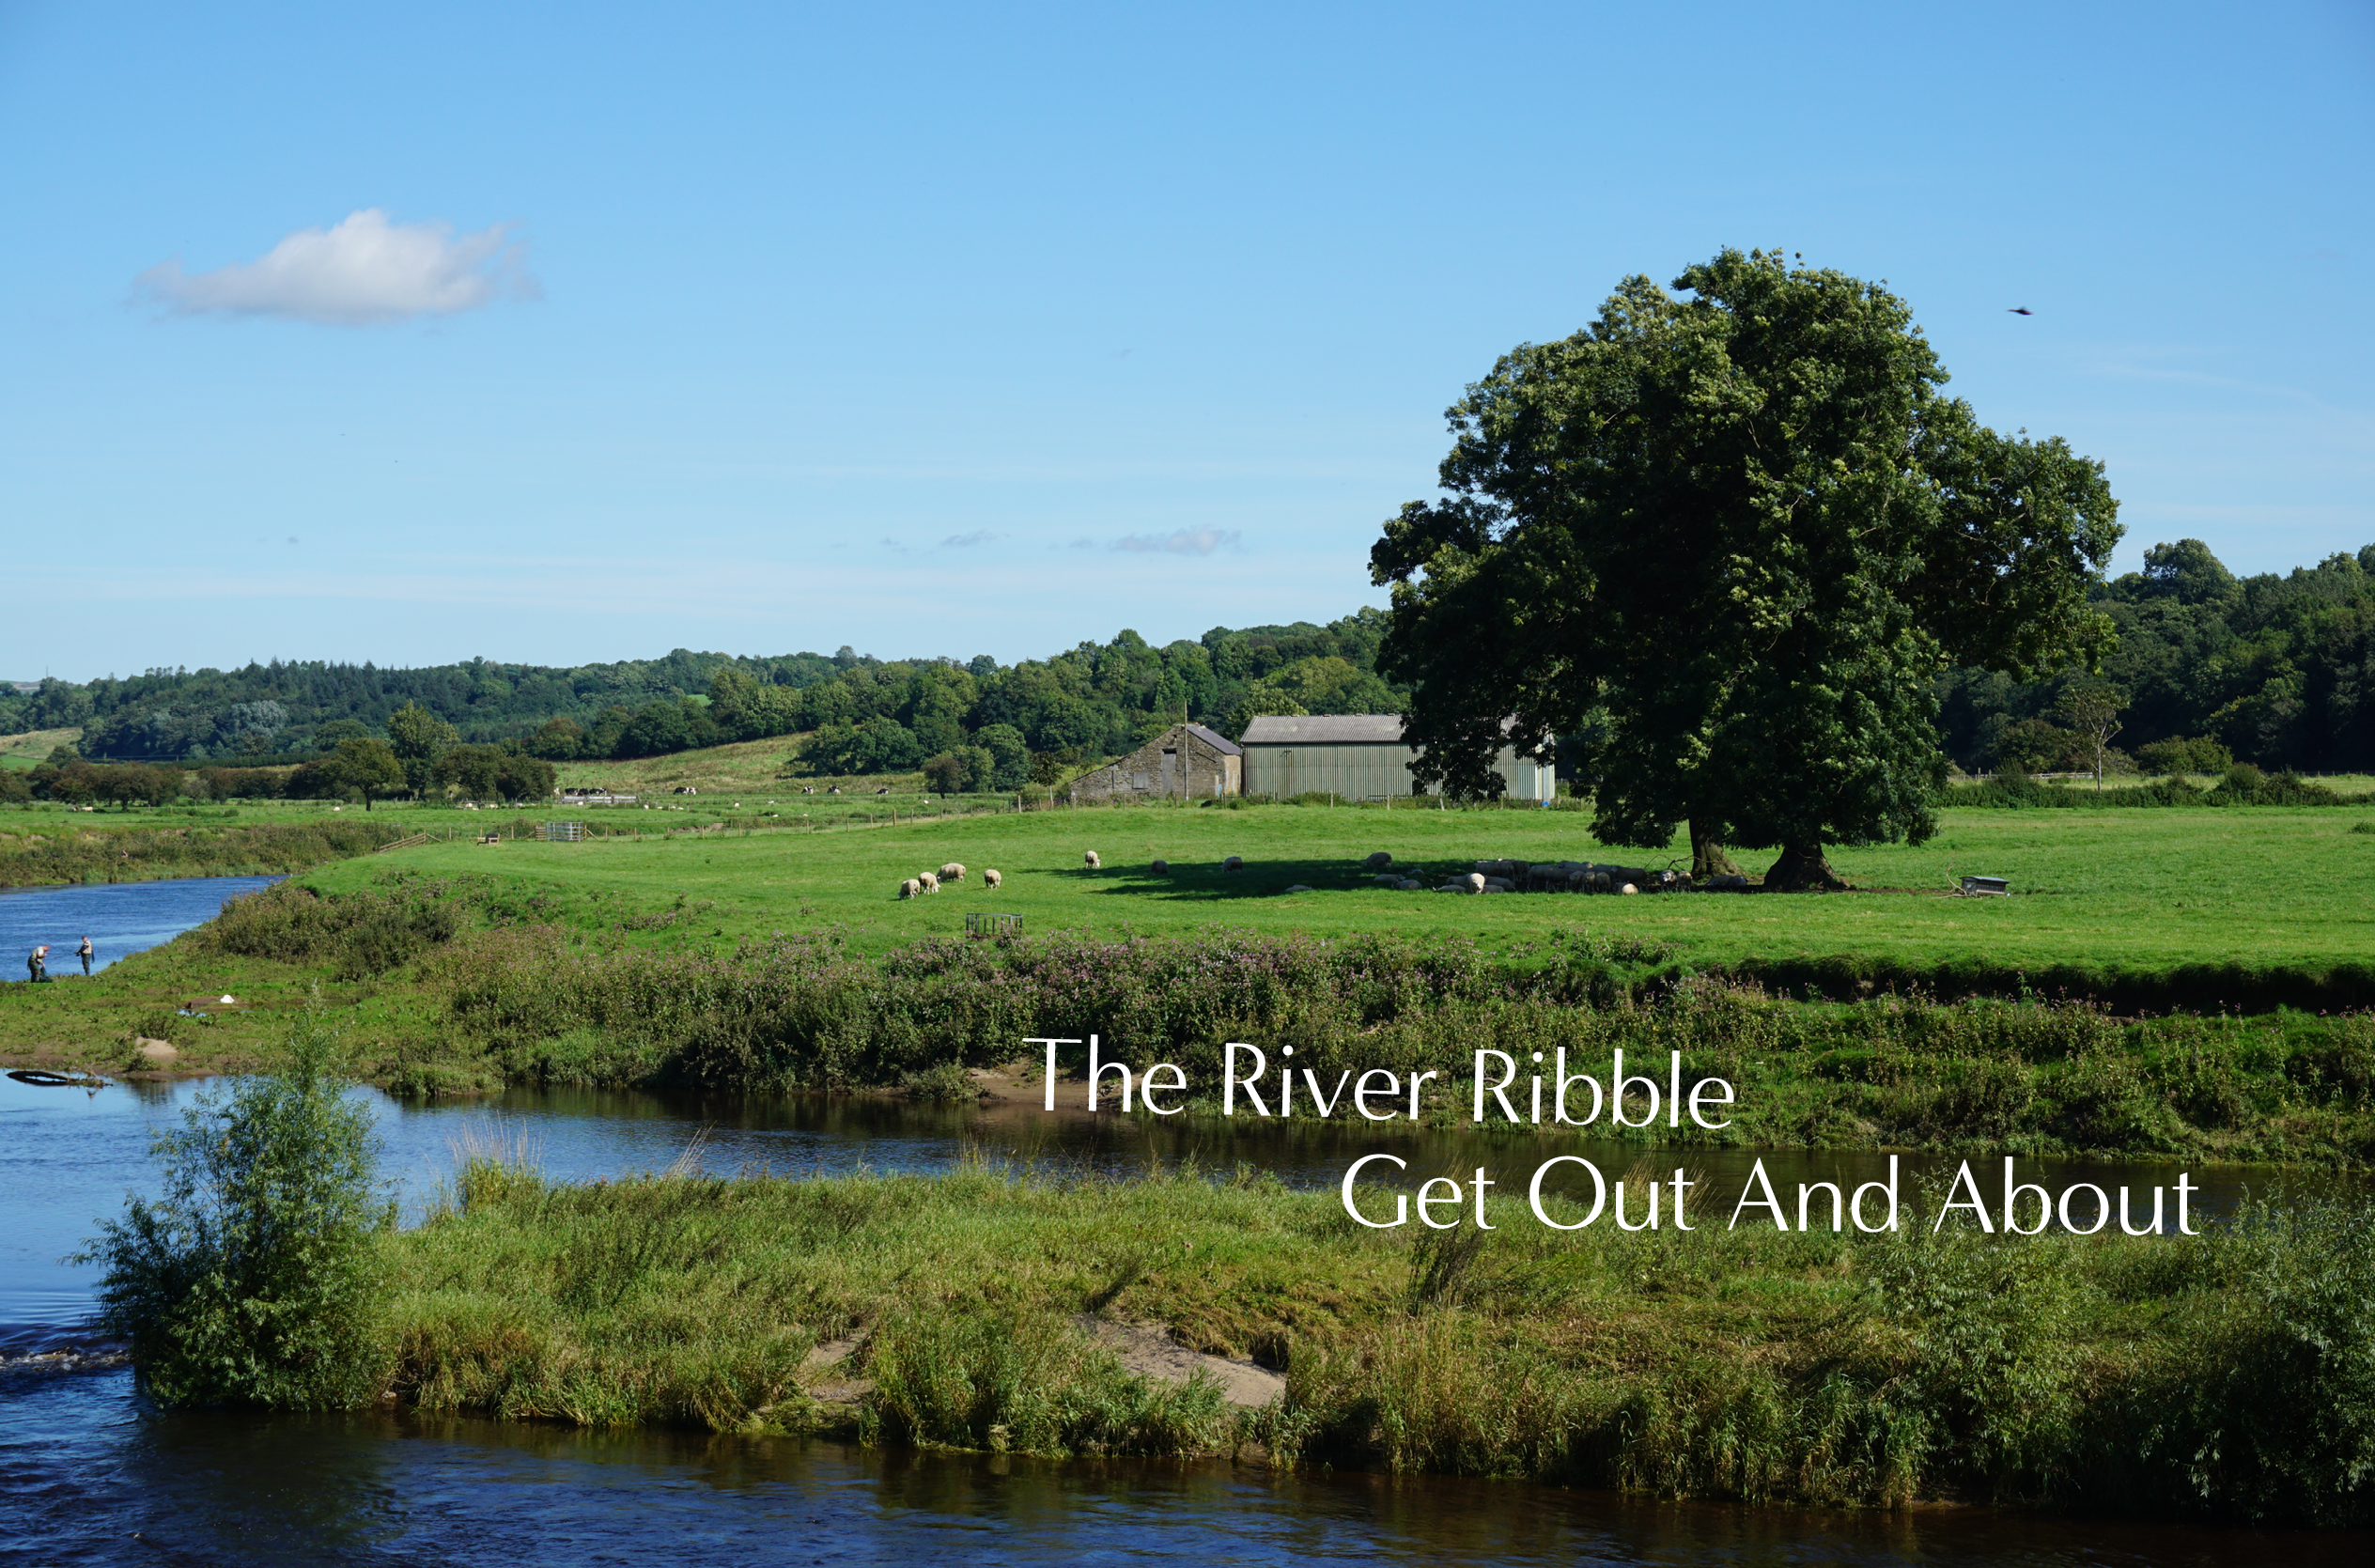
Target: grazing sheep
{"type": "Point", "coordinates": [1161, 868]}
{"type": "Point", "coordinates": [951, 871]}
{"type": "Point", "coordinates": [1474, 881]}
{"type": "Point", "coordinates": [1091, 860]}
{"type": "Point", "coordinates": [909, 888]}
{"type": "Point", "coordinates": [834, 790]}
{"type": "Point", "coordinates": [990, 877]}
{"type": "Point", "coordinates": [1234, 863]}
{"type": "Point", "coordinates": [1301, 887]}
{"type": "Point", "coordinates": [927, 882]}
{"type": "Point", "coordinates": [1409, 884]}
{"type": "Point", "coordinates": [1628, 888]}
{"type": "Point", "coordinates": [1377, 861]}
{"type": "Point", "coordinates": [1388, 880]}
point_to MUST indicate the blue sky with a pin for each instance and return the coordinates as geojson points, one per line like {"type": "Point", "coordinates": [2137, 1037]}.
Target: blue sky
{"type": "Point", "coordinates": [963, 329]}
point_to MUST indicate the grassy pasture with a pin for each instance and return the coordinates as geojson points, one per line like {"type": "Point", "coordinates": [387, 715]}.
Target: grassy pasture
{"type": "Point", "coordinates": [758, 768]}
{"type": "Point", "coordinates": [32, 747]}
{"type": "Point", "coordinates": [2145, 889]}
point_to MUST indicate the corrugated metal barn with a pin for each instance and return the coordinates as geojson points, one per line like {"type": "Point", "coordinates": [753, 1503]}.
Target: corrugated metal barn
{"type": "Point", "coordinates": [1360, 757]}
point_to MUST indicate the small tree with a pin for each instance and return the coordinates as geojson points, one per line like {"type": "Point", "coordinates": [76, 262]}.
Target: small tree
{"type": "Point", "coordinates": [417, 737]}
{"type": "Point", "coordinates": [945, 773]}
{"type": "Point", "coordinates": [367, 765]}
{"type": "Point", "coordinates": [2033, 746]}
{"type": "Point", "coordinates": [256, 1278]}
{"type": "Point", "coordinates": [2091, 710]}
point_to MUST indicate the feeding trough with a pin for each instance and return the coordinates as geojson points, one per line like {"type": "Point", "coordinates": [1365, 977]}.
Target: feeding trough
{"type": "Point", "coordinates": [1986, 886]}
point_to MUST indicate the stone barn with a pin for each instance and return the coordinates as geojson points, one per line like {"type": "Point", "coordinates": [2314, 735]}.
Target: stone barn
{"type": "Point", "coordinates": [1185, 760]}
{"type": "Point", "coordinates": [1360, 756]}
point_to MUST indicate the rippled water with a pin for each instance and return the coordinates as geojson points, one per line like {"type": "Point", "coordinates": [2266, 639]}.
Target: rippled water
{"type": "Point", "coordinates": [88, 1472]}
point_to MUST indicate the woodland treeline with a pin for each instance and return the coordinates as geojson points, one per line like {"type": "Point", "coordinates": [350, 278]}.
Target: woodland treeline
{"type": "Point", "coordinates": [2274, 670]}
{"type": "Point", "coordinates": [873, 715]}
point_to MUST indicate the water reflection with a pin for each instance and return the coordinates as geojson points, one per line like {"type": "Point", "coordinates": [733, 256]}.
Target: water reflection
{"type": "Point", "coordinates": [68, 1156]}
{"type": "Point", "coordinates": [204, 1489]}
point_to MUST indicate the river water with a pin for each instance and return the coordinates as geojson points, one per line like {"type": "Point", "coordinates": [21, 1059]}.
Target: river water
{"type": "Point", "coordinates": [120, 918]}
{"type": "Point", "coordinates": [89, 1472]}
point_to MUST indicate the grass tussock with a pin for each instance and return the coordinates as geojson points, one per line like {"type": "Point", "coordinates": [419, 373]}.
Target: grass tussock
{"type": "Point", "coordinates": [2230, 1374]}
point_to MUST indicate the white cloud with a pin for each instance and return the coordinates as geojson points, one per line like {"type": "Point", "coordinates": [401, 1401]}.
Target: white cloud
{"type": "Point", "coordinates": [1185, 541]}
{"type": "Point", "coordinates": [966, 541]}
{"type": "Point", "coordinates": [362, 270]}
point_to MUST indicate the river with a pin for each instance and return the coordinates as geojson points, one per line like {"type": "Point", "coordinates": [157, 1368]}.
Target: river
{"type": "Point", "coordinates": [89, 1472]}
{"type": "Point", "coordinates": [120, 918]}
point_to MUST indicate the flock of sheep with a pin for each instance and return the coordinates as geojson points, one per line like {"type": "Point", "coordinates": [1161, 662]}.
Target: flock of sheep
{"type": "Point", "coordinates": [929, 881]}
{"type": "Point", "coordinates": [1488, 876]}
{"type": "Point", "coordinates": [1535, 877]}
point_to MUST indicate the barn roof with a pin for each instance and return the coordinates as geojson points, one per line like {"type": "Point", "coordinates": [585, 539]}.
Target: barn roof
{"type": "Point", "coordinates": [1218, 743]}
{"type": "Point", "coordinates": [1325, 729]}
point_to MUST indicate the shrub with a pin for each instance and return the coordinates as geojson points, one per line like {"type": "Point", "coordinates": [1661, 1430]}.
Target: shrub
{"type": "Point", "coordinates": [366, 932]}
{"type": "Point", "coordinates": [257, 1278]}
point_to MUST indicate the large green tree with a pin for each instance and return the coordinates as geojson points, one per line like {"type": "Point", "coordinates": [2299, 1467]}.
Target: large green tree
{"type": "Point", "coordinates": [365, 766]}
{"type": "Point", "coordinates": [1726, 538]}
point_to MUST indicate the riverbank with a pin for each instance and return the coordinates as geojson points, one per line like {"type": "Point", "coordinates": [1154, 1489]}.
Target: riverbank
{"type": "Point", "coordinates": [89, 849]}
{"type": "Point", "coordinates": [2222, 1375]}
{"type": "Point", "coordinates": [461, 986]}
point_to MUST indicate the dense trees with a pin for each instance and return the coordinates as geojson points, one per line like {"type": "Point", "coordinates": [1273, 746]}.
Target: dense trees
{"type": "Point", "coordinates": [1726, 544]}
{"type": "Point", "coordinates": [1090, 700]}
{"type": "Point", "coordinates": [2280, 671]}
{"type": "Point", "coordinates": [2276, 670]}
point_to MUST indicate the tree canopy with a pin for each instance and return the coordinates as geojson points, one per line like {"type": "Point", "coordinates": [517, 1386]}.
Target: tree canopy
{"type": "Point", "coordinates": [1727, 543]}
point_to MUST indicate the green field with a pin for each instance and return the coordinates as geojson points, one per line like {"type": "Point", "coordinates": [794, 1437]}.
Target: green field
{"type": "Point", "coordinates": [2148, 889]}
{"type": "Point", "coordinates": [28, 747]}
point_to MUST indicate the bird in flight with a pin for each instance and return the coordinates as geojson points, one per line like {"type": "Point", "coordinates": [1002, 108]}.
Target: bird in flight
{"type": "Point", "coordinates": [2021, 310]}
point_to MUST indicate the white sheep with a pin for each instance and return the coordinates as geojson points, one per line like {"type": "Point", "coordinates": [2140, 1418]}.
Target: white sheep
{"type": "Point", "coordinates": [927, 882]}
{"type": "Point", "coordinates": [952, 873]}
{"type": "Point", "coordinates": [1234, 863]}
{"type": "Point", "coordinates": [1162, 868]}
{"type": "Point", "coordinates": [1091, 860]}
{"type": "Point", "coordinates": [990, 877]}
{"type": "Point", "coordinates": [1377, 861]}
{"type": "Point", "coordinates": [909, 888]}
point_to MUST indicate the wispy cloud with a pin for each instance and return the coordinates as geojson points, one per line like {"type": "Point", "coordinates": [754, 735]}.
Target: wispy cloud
{"type": "Point", "coordinates": [1185, 541]}
{"type": "Point", "coordinates": [966, 541]}
{"type": "Point", "coordinates": [362, 272]}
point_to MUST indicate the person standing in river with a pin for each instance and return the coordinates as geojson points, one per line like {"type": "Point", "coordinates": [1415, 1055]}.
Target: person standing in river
{"type": "Point", "coordinates": [84, 953]}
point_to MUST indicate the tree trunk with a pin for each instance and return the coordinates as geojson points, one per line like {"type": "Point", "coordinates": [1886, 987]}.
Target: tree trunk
{"type": "Point", "coordinates": [1707, 856]}
{"type": "Point", "coordinates": [1802, 869]}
